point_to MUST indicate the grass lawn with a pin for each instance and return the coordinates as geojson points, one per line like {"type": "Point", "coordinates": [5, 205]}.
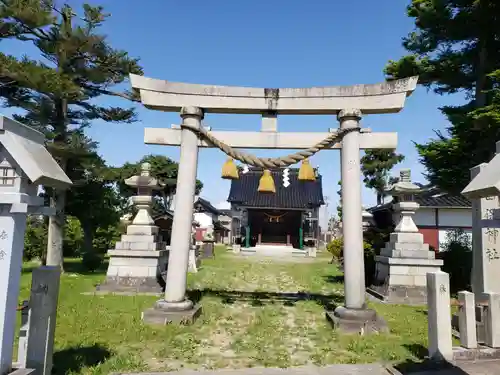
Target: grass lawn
{"type": "Point", "coordinates": [255, 313]}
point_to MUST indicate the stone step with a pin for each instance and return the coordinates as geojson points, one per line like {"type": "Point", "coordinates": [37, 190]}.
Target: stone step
{"type": "Point", "coordinates": [274, 251]}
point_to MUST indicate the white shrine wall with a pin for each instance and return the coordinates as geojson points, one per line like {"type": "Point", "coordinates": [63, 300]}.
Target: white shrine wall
{"type": "Point", "coordinates": [435, 223]}
{"type": "Point", "coordinates": [455, 217]}
{"type": "Point", "coordinates": [425, 217]}
{"type": "Point", "coordinates": [205, 219]}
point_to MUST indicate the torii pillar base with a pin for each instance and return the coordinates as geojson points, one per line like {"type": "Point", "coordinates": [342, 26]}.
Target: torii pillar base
{"type": "Point", "coordinates": [357, 321]}
{"type": "Point", "coordinates": [164, 313]}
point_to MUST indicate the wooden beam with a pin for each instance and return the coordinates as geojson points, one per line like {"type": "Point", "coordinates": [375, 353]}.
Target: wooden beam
{"type": "Point", "coordinates": [269, 140]}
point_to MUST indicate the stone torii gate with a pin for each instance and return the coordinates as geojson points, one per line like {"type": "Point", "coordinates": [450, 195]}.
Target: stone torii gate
{"type": "Point", "coordinates": [349, 103]}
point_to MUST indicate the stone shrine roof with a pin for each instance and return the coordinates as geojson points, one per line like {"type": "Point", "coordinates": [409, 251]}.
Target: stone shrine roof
{"type": "Point", "coordinates": [27, 147]}
{"type": "Point", "coordinates": [299, 194]}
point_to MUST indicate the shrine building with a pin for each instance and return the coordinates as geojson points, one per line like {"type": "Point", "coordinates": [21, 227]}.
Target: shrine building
{"type": "Point", "coordinates": [286, 219]}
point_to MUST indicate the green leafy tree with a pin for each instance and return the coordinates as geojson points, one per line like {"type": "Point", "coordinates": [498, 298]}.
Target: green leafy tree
{"type": "Point", "coordinates": [163, 169]}
{"type": "Point", "coordinates": [59, 91]}
{"type": "Point", "coordinates": [93, 200]}
{"type": "Point", "coordinates": [376, 166]}
{"type": "Point", "coordinates": [455, 48]}
{"type": "Point", "coordinates": [73, 237]}
{"type": "Point", "coordinates": [35, 238]}
{"type": "Point", "coordinates": [339, 206]}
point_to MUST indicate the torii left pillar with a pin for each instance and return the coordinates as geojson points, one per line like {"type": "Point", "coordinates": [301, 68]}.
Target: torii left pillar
{"type": "Point", "coordinates": [354, 316]}
{"type": "Point", "coordinates": [175, 306]}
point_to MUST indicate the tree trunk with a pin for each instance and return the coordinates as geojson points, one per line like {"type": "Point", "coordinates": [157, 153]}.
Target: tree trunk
{"type": "Point", "coordinates": [481, 78]}
{"type": "Point", "coordinates": [58, 198]}
{"type": "Point", "coordinates": [56, 230]}
{"type": "Point", "coordinates": [88, 239]}
{"type": "Point", "coordinates": [380, 198]}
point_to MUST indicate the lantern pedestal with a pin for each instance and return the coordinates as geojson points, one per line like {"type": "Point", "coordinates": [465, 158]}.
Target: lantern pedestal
{"type": "Point", "coordinates": [402, 266]}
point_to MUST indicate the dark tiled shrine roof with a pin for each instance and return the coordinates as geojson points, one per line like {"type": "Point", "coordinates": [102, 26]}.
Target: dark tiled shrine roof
{"type": "Point", "coordinates": [206, 205]}
{"type": "Point", "coordinates": [299, 194]}
{"type": "Point", "coordinates": [434, 197]}
{"type": "Point", "coordinates": [444, 201]}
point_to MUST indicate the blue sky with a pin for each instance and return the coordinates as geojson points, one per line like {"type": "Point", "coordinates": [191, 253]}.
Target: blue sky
{"type": "Point", "coordinates": [278, 43]}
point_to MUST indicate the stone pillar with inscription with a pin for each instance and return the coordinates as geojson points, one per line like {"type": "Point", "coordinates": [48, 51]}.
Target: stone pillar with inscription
{"type": "Point", "coordinates": [13, 224]}
{"type": "Point", "coordinates": [42, 318]}
{"type": "Point", "coordinates": [483, 192]}
{"type": "Point", "coordinates": [24, 164]}
{"type": "Point", "coordinates": [438, 321]}
{"type": "Point", "coordinates": [485, 243]}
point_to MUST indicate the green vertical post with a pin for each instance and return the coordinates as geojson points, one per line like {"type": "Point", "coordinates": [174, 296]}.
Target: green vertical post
{"type": "Point", "coordinates": [247, 236]}
{"type": "Point", "coordinates": [301, 238]}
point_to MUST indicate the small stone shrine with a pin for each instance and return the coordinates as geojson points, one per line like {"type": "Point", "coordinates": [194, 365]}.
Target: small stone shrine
{"type": "Point", "coordinates": [25, 164]}
{"type": "Point", "coordinates": [138, 261]}
{"type": "Point", "coordinates": [194, 253]}
{"type": "Point", "coordinates": [402, 266]}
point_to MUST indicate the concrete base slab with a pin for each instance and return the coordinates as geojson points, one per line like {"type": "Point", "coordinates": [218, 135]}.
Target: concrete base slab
{"type": "Point", "coordinates": [347, 369]}
{"type": "Point", "coordinates": [163, 317]}
{"type": "Point", "coordinates": [481, 353]}
{"type": "Point", "coordinates": [20, 371]}
{"type": "Point", "coordinates": [362, 321]}
{"type": "Point", "coordinates": [120, 293]}
{"type": "Point", "coordinates": [275, 251]}
{"type": "Point", "coordinates": [399, 294]}
{"type": "Point", "coordinates": [137, 285]}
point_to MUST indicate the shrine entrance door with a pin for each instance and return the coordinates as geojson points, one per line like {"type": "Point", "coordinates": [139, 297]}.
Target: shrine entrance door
{"type": "Point", "coordinates": [277, 227]}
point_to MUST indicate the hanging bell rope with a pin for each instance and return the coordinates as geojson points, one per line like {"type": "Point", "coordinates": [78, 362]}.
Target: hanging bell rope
{"type": "Point", "coordinates": [266, 183]}
{"type": "Point", "coordinates": [230, 170]}
{"type": "Point", "coordinates": [306, 171]}
{"type": "Point", "coordinates": [255, 161]}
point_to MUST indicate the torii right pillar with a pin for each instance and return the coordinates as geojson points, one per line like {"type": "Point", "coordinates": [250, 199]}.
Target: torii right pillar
{"type": "Point", "coordinates": [354, 316]}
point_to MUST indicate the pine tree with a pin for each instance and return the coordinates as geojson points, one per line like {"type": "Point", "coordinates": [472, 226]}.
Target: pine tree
{"type": "Point", "coordinates": [455, 48]}
{"type": "Point", "coordinates": [376, 166]}
{"type": "Point", "coordinates": [58, 91]}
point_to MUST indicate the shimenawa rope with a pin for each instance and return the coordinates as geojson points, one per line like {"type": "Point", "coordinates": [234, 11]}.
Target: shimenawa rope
{"type": "Point", "coordinates": [283, 161]}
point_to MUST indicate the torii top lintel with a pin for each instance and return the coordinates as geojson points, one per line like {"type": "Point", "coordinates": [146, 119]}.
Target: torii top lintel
{"type": "Point", "coordinates": [386, 97]}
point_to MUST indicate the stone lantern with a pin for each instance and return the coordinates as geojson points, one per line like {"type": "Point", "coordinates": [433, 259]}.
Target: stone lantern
{"type": "Point", "coordinates": [402, 266]}
{"type": "Point", "coordinates": [24, 165]}
{"type": "Point", "coordinates": [138, 261]}
{"type": "Point", "coordinates": [404, 206]}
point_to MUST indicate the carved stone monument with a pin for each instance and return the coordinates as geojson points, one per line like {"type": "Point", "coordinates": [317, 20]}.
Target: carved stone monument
{"type": "Point", "coordinates": [483, 191]}
{"type": "Point", "coordinates": [24, 165]}
{"type": "Point", "coordinates": [438, 321]}
{"type": "Point", "coordinates": [138, 261]}
{"type": "Point", "coordinates": [42, 318]}
{"type": "Point", "coordinates": [401, 268]}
